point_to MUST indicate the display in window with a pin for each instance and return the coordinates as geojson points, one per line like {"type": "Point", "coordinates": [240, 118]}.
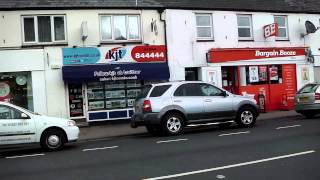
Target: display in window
{"type": "Point", "coordinates": [132, 93]}
{"type": "Point", "coordinates": [131, 102]}
{"type": "Point", "coordinates": [95, 85]}
{"type": "Point", "coordinates": [253, 74]}
{"type": "Point", "coordinates": [75, 100]}
{"type": "Point", "coordinates": [274, 73]}
{"type": "Point", "coordinates": [116, 94]}
{"type": "Point", "coordinates": [263, 76]}
{"type": "Point", "coordinates": [96, 105]}
{"type": "Point", "coordinates": [133, 84]}
{"type": "Point", "coordinates": [115, 84]}
{"type": "Point", "coordinates": [95, 94]}
{"type": "Point", "coordinates": [116, 104]}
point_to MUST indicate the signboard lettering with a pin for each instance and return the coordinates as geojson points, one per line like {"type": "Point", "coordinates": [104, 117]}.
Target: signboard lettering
{"type": "Point", "coordinates": [270, 30]}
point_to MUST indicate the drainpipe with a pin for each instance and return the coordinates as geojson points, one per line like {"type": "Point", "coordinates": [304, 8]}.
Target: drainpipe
{"type": "Point", "coordinates": [160, 11]}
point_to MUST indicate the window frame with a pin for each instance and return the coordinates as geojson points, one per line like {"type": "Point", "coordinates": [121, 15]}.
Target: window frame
{"type": "Point", "coordinates": [36, 33]}
{"type": "Point", "coordinates": [211, 26]}
{"type": "Point", "coordinates": [113, 40]}
{"type": "Point", "coordinates": [250, 27]}
{"type": "Point", "coordinates": [282, 27]}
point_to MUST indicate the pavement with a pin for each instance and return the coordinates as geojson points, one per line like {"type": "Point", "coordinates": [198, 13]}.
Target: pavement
{"type": "Point", "coordinates": [109, 129]}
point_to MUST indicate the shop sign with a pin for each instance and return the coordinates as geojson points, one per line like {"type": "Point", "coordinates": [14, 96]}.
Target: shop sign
{"type": "Point", "coordinates": [270, 30]}
{"type": "Point", "coordinates": [105, 55]}
{"type": "Point", "coordinates": [240, 54]}
{"type": "Point", "coordinates": [253, 74]}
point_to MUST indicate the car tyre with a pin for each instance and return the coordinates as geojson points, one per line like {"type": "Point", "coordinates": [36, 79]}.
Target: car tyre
{"type": "Point", "coordinates": [309, 115]}
{"type": "Point", "coordinates": [246, 117]}
{"type": "Point", "coordinates": [154, 130]}
{"type": "Point", "coordinates": [52, 140]}
{"type": "Point", "coordinates": [173, 124]}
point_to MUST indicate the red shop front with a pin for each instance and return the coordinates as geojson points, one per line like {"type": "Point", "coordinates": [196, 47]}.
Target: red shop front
{"type": "Point", "coordinates": [265, 73]}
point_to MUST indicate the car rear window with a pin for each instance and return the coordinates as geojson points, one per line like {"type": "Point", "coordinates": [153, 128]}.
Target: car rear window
{"type": "Point", "coordinates": [159, 90]}
{"type": "Point", "coordinates": [309, 88]}
{"type": "Point", "coordinates": [144, 91]}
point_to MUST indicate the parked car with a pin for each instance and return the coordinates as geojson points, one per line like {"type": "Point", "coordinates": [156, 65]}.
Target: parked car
{"type": "Point", "coordinates": [169, 107]}
{"type": "Point", "coordinates": [308, 100]}
{"type": "Point", "coordinates": [21, 126]}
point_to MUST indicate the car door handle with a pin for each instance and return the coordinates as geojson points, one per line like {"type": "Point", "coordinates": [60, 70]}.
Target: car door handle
{"type": "Point", "coordinates": [208, 100]}
{"type": "Point", "coordinates": [177, 101]}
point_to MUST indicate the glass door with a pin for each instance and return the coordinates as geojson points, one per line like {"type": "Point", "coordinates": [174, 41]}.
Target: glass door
{"type": "Point", "coordinates": [76, 101]}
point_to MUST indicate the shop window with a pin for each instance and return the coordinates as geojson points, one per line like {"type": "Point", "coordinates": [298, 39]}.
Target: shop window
{"type": "Point", "coordinates": [44, 29]}
{"type": "Point", "coordinates": [244, 27]}
{"type": "Point", "coordinates": [204, 26]}
{"type": "Point", "coordinates": [283, 27]}
{"type": "Point", "coordinates": [16, 88]}
{"type": "Point", "coordinates": [263, 74]}
{"type": "Point", "coordinates": [112, 95]}
{"type": "Point", "coordinates": [120, 28]}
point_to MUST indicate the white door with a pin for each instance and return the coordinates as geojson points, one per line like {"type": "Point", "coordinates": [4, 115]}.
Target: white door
{"type": "Point", "coordinates": [16, 127]}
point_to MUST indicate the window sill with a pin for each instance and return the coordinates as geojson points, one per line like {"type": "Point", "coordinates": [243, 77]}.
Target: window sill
{"type": "Point", "coordinates": [245, 40]}
{"type": "Point", "coordinates": [44, 44]}
{"type": "Point", "coordinates": [205, 40]}
{"type": "Point", "coordinates": [282, 40]}
{"type": "Point", "coordinates": [120, 42]}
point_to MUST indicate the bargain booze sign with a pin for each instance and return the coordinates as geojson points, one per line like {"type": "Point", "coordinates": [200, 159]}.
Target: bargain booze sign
{"type": "Point", "coordinates": [120, 54]}
{"type": "Point", "coordinates": [219, 55]}
{"type": "Point", "coordinates": [271, 30]}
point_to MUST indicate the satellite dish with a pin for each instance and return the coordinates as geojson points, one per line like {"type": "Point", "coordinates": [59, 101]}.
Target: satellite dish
{"type": "Point", "coordinates": [310, 27]}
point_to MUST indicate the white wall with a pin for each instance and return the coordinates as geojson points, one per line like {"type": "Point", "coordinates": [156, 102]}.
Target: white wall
{"type": "Point", "coordinates": [39, 92]}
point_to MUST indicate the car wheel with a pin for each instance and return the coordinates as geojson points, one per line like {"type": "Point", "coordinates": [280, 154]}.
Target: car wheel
{"type": "Point", "coordinates": [173, 124]}
{"type": "Point", "coordinates": [246, 117]}
{"type": "Point", "coordinates": [52, 139]}
{"type": "Point", "coordinates": [154, 130]}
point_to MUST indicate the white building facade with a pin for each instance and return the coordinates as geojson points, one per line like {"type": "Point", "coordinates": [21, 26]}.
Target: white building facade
{"type": "Point", "coordinates": [44, 53]}
{"type": "Point", "coordinates": [230, 49]}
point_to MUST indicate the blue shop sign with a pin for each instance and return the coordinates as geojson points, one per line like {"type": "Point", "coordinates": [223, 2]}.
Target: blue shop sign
{"type": "Point", "coordinates": [114, 72]}
{"type": "Point", "coordinates": [80, 55]}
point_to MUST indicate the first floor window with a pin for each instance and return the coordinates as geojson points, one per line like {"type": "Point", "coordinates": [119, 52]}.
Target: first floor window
{"type": "Point", "coordinates": [204, 26]}
{"type": "Point", "coordinates": [283, 27]}
{"type": "Point", "coordinates": [44, 29]}
{"type": "Point", "coordinates": [244, 27]}
{"type": "Point", "coordinates": [120, 27]}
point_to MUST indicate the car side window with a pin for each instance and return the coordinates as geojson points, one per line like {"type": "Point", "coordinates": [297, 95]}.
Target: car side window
{"type": "Point", "coordinates": [9, 113]}
{"type": "Point", "coordinates": [190, 89]}
{"type": "Point", "coordinates": [209, 90]}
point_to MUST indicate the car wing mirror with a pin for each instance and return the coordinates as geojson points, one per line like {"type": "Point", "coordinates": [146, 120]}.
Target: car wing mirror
{"type": "Point", "coordinates": [24, 116]}
{"type": "Point", "coordinates": [224, 93]}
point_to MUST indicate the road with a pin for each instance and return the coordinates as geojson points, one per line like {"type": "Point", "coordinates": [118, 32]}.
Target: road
{"type": "Point", "coordinates": [273, 149]}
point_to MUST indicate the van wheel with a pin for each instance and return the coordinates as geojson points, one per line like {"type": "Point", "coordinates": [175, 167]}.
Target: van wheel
{"type": "Point", "coordinates": [173, 123]}
{"type": "Point", "coordinates": [246, 117]}
{"type": "Point", "coordinates": [154, 130]}
{"type": "Point", "coordinates": [52, 140]}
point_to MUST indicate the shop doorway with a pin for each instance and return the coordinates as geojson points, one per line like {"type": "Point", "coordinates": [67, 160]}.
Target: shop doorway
{"type": "Point", "coordinates": [230, 79]}
{"type": "Point", "coordinates": [191, 74]}
{"type": "Point", "coordinates": [76, 101]}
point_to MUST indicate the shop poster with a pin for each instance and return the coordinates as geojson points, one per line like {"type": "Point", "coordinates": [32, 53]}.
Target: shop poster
{"type": "Point", "coordinates": [274, 73]}
{"type": "Point", "coordinates": [253, 74]}
{"type": "Point", "coordinates": [305, 74]}
{"type": "Point", "coordinates": [263, 76]}
{"type": "Point", "coordinates": [212, 77]}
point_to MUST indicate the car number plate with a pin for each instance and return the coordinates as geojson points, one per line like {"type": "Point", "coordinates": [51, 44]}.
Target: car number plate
{"type": "Point", "coordinates": [303, 99]}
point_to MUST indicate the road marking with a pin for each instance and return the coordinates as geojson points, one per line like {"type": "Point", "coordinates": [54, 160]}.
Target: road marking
{"type": "Point", "coordinates": [102, 148]}
{"type": "Point", "coordinates": [22, 156]}
{"type": "Point", "coordinates": [231, 166]}
{"type": "Point", "coordinates": [172, 140]}
{"type": "Point", "coordinates": [285, 127]}
{"type": "Point", "coordinates": [229, 134]}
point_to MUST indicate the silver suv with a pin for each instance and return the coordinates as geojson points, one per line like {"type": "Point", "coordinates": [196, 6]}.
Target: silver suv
{"type": "Point", "coordinates": [169, 107]}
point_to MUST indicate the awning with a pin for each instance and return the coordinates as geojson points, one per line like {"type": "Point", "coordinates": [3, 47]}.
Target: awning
{"type": "Point", "coordinates": [113, 72]}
